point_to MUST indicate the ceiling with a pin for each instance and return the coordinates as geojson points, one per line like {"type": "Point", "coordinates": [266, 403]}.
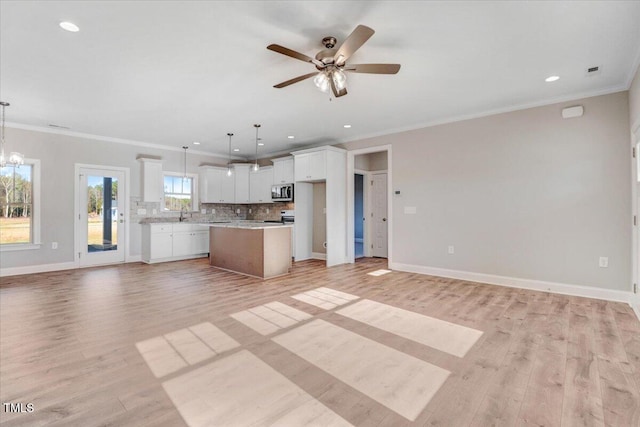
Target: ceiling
{"type": "Point", "coordinates": [170, 73]}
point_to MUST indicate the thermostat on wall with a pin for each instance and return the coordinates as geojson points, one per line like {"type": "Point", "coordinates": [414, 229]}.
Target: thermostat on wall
{"type": "Point", "coordinates": [570, 112]}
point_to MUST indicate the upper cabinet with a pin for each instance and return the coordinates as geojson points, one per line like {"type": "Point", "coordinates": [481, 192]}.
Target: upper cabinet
{"type": "Point", "coordinates": [283, 170]}
{"type": "Point", "coordinates": [311, 165]}
{"type": "Point", "coordinates": [152, 180]}
{"type": "Point", "coordinates": [216, 186]}
{"type": "Point", "coordinates": [260, 184]}
{"type": "Point", "coordinates": [241, 173]}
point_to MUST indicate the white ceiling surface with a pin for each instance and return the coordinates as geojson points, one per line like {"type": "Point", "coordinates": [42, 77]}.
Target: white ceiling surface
{"type": "Point", "coordinates": [171, 73]}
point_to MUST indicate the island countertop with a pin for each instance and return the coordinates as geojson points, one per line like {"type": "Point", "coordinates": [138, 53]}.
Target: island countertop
{"type": "Point", "coordinates": [246, 225]}
{"type": "Point", "coordinates": [222, 223]}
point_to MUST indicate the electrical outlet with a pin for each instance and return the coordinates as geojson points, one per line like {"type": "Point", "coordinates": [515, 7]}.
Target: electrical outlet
{"type": "Point", "coordinates": [238, 210]}
{"type": "Point", "coordinates": [603, 262]}
{"type": "Point", "coordinates": [450, 249]}
{"type": "Point", "coordinates": [267, 210]}
{"type": "Point", "coordinates": [54, 245]}
{"type": "Point", "coordinates": [213, 211]}
{"type": "Point", "coordinates": [203, 211]}
{"type": "Point", "coordinates": [250, 210]}
{"type": "Point", "coordinates": [142, 211]}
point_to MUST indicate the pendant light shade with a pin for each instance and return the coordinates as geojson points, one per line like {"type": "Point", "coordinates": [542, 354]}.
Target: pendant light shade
{"type": "Point", "coordinates": [229, 171]}
{"type": "Point", "coordinates": [185, 148]}
{"type": "Point", "coordinates": [255, 166]}
{"type": "Point", "coordinates": [15, 158]}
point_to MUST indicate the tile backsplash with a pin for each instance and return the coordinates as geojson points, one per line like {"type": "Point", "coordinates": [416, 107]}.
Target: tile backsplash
{"type": "Point", "coordinates": [150, 211]}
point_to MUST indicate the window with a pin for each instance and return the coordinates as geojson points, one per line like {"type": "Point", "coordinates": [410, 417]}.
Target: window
{"type": "Point", "coordinates": [180, 192]}
{"type": "Point", "coordinates": [19, 205]}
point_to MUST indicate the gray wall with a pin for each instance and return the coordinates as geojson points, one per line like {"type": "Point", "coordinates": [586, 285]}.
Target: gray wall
{"type": "Point", "coordinates": [524, 194]}
{"type": "Point", "coordinates": [58, 155]}
{"type": "Point", "coordinates": [371, 161]}
{"type": "Point", "coordinates": [634, 99]}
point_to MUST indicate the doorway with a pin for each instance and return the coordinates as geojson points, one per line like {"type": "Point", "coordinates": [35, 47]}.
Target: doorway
{"type": "Point", "coordinates": [358, 216]}
{"type": "Point", "coordinates": [369, 203]}
{"type": "Point", "coordinates": [101, 212]}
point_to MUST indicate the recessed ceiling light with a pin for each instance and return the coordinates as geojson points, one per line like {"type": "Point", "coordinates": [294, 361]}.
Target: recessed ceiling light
{"type": "Point", "coordinates": [236, 149]}
{"type": "Point", "coordinates": [551, 79]}
{"type": "Point", "coordinates": [347, 126]}
{"type": "Point", "coordinates": [69, 26]}
{"type": "Point", "coordinates": [196, 143]}
{"type": "Point", "coordinates": [261, 143]}
{"type": "Point", "coordinates": [291, 137]}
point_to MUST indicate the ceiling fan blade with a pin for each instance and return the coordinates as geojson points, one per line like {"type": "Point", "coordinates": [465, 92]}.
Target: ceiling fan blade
{"type": "Point", "coordinates": [293, 54]}
{"type": "Point", "coordinates": [295, 80]}
{"type": "Point", "coordinates": [373, 68]}
{"type": "Point", "coordinates": [352, 43]}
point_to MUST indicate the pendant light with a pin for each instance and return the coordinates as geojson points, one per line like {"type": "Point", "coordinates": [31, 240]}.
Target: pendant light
{"type": "Point", "coordinates": [255, 166]}
{"type": "Point", "coordinates": [229, 171]}
{"type": "Point", "coordinates": [15, 159]}
{"type": "Point", "coordinates": [185, 148]}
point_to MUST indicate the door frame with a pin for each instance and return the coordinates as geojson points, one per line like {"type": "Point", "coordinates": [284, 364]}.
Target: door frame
{"type": "Point", "coordinates": [76, 210]}
{"type": "Point", "coordinates": [351, 206]}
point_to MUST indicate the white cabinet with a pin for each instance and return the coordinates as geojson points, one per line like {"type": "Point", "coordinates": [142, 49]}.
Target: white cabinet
{"type": "Point", "coordinates": [211, 184]}
{"type": "Point", "coordinates": [283, 170]}
{"type": "Point", "coordinates": [152, 180]}
{"type": "Point", "coordinates": [260, 185]}
{"type": "Point", "coordinates": [241, 172]}
{"type": "Point", "coordinates": [170, 242]}
{"type": "Point", "coordinates": [311, 166]}
{"type": "Point", "coordinates": [216, 186]}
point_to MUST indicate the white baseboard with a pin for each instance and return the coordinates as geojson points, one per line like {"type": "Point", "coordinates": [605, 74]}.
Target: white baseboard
{"type": "Point", "coordinates": [45, 268]}
{"type": "Point", "coordinates": [536, 285]}
{"type": "Point", "coordinates": [318, 255]}
{"type": "Point", "coordinates": [41, 268]}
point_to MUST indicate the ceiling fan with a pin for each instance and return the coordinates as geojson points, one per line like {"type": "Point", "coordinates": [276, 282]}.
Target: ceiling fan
{"type": "Point", "coordinates": [331, 62]}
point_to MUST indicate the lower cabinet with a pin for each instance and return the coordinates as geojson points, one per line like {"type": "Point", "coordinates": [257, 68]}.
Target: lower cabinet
{"type": "Point", "coordinates": [171, 242]}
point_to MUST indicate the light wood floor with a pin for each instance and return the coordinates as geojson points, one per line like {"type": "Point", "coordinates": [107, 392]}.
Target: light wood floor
{"type": "Point", "coordinates": [68, 345]}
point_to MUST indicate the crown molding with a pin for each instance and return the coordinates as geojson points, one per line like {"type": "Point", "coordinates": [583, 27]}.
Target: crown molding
{"type": "Point", "coordinates": [115, 140]}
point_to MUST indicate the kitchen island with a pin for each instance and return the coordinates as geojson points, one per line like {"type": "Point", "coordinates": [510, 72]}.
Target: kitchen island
{"type": "Point", "coordinates": [252, 248]}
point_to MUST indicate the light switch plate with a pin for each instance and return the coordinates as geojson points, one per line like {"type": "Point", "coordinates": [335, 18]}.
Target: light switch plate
{"type": "Point", "coordinates": [203, 211]}
{"type": "Point", "coordinates": [603, 262]}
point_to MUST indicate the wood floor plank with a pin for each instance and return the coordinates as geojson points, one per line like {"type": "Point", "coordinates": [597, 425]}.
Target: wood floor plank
{"type": "Point", "coordinates": [68, 344]}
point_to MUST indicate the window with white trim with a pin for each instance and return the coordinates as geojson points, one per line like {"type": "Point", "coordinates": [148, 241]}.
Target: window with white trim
{"type": "Point", "coordinates": [19, 205]}
{"type": "Point", "coordinates": [180, 192]}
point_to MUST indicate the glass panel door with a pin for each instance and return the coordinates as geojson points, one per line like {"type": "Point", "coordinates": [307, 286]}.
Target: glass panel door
{"type": "Point", "coordinates": [101, 219]}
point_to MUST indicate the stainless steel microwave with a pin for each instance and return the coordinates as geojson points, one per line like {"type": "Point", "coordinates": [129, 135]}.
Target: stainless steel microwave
{"type": "Point", "coordinates": [282, 193]}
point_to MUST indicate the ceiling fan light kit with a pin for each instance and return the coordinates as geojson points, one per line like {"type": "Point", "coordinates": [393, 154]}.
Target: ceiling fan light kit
{"type": "Point", "coordinates": [331, 62]}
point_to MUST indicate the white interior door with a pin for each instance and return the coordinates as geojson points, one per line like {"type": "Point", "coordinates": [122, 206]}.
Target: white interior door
{"type": "Point", "coordinates": [101, 216]}
{"type": "Point", "coordinates": [379, 215]}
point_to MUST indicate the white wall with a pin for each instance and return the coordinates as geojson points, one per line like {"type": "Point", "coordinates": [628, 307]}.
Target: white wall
{"type": "Point", "coordinates": [58, 155]}
{"type": "Point", "coordinates": [524, 194]}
